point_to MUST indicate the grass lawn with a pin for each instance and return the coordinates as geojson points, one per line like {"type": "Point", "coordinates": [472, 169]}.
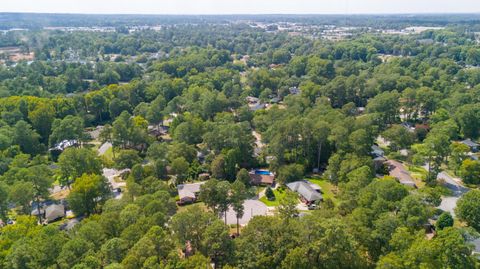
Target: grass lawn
{"type": "Point", "coordinates": [327, 188]}
{"type": "Point", "coordinates": [279, 194]}
{"type": "Point", "coordinates": [418, 173]}
{"type": "Point", "coordinates": [200, 205]}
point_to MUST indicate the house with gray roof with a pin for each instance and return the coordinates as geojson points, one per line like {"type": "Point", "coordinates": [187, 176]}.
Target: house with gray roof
{"type": "Point", "coordinates": [54, 212]}
{"type": "Point", "coordinates": [377, 151]}
{"type": "Point", "coordinates": [188, 193]}
{"type": "Point", "coordinates": [471, 144]}
{"type": "Point", "coordinates": [309, 192]}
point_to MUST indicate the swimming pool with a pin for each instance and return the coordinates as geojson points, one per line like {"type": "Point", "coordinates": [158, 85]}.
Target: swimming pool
{"type": "Point", "coordinates": [262, 172]}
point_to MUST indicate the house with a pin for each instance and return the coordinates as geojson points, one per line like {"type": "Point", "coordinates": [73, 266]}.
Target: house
{"type": "Point", "coordinates": [261, 177]}
{"type": "Point", "coordinates": [294, 90]}
{"type": "Point", "coordinates": [61, 146]}
{"type": "Point", "coordinates": [398, 171]}
{"type": "Point", "coordinates": [275, 100]}
{"type": "Point", "coordinates": [377, 151]}
{"type": "Point", "coordinates": [472, 145]}
{"type": "Point", "coordinates": [408, 126]}
{"type": "Point", "coordinates": [254, 103]}
{"type": "Point", "coordinates": [476, 246]}
{"type": "Point", "coordinates": [378, 162]}
{"type": "Point", "coordinates": [204, 176]}
{"type": "Point", "coordinates": [307, 190]}
{"type": "Point", "coordinates": [56, 150]}
{"type": "Point", "coordinates": [54, 212]}
{"type": "Point", "coordinates": [188, 193]}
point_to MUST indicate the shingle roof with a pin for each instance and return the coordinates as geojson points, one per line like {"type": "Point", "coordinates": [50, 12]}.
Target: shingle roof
{"type": "Point", "coordinates": [261, 179]}
{"type": "Point", "coordinates": [189, 190]}
{"type": "Point", "coordinates": [53, 212]}
{"type": "Point", "coordinates": [305, 190]}
{"type": "Point", "coordinates": [469, 143]}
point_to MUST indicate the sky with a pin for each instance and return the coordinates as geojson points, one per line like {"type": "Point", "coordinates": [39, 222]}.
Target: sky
{"type": "Point", "coordinates": [241, 6]}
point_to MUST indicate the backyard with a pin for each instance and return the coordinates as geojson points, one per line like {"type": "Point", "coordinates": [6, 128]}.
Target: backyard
{"type": "Point", "coordinates": [328, 189]}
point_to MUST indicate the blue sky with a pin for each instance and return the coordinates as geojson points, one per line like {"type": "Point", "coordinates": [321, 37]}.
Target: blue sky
{"type": "Point", "coordinates": [241, 6]}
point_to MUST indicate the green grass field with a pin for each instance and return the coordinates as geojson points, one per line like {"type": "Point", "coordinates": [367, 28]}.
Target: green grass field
{"type": "Point", "coordinates": [418, 173]}
{"type": "Point", "coordinates": [279, 194]}
{"type": "Point", "coordinates": [327, 188]}
{"type": "Point", "coordinates": [200, 205]}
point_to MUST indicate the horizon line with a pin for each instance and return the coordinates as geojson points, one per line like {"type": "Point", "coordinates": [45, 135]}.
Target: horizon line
{"type": "Point", "coordinates": [242, 14]}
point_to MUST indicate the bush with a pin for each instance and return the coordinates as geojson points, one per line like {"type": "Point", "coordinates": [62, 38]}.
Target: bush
{"type": "Point", "coordinates": [269, 194]}
{"type": "Point", "coordinates": [445, 220]}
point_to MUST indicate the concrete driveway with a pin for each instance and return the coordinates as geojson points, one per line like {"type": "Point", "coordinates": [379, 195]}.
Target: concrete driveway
{"type": "Point", "coordinates": [251, 208]}
{"type": "Point", "coordinates": [449, 203]}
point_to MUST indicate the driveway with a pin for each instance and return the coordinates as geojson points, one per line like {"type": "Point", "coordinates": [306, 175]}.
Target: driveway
{"type": "Point", "coordinates": [251, 208]}
{"type": "Point", "coordinates": [111, 174]}
{"type": "Point", "coordinates": [449, 203]}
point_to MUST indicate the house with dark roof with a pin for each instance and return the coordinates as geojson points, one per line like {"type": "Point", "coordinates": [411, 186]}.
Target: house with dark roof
{"type": "Point", "coordinates": [309, 192]}
{"type": "Point", "coordinates": [188, 193]}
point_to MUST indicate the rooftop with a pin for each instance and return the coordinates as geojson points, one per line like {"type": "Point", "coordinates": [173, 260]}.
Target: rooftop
{"type": "Point", "coordinates": [189, 190]}
{"type": "Point", "coordinates": [307, 190]}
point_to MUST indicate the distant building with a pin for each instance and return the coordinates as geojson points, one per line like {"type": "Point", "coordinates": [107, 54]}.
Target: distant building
{"type": "Point", "coordinates": [294, 90]}
{"type": "Point", "coordinates": [61, 146]}
{"type": "Point", "coordinates": [188, 193]}
{"type": "Point", "coordinates": [254, 103]}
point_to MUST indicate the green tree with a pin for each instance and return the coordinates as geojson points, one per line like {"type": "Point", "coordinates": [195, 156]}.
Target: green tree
{"type": "Point", "coordinates": [288, 206]}
{"type": "Point", "coordinates": [74, 162]}
{"type": "Point", "coordinates": [26, 138]}
{"type": "Point", "coordinates": [190, 226]}
{"type": "Point", "coordinates": [217, 243]}
{"type": "Point", "coordinates": [290, 172]}
{"type": "Point", "coordinates": [42, 118]}
{"type": "Point", "coordinates": [444, 220]}
{"type": "Point", "coordinates": [68, 128]}
{"type": "Point", "coordinates": [88, 192]}
{"type": "Point", "coordinates": [243, 176]}
{"type": "Point", "coordinates": [470, 171]}
{"type": "Point", "coordinates": [458, 155]}
{"type": "Point", "coordinates": [238, 194]}
{"type": "Point", "coordinates": [399, 137]}
{"type": "Point", "coordinates": [468, 208]}
{"type": "Point", "coordinates": [180, 169]}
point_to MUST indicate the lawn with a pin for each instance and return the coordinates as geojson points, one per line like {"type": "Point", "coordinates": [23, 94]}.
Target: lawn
{"type": "Point", "coordinates": [327, 188]}
{"type": "Point", "coordinates": [280, 192]}
{"type": "Point", "coordinates": [200, 205]}
{"type": "Point", "coordinates": [418, 173]}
